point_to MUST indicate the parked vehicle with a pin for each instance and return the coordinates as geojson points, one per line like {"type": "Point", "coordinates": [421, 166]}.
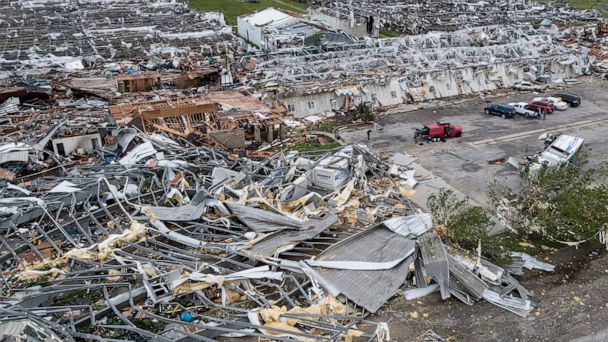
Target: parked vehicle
{"type": "Point", "coordinates": [521, 108]}
{"type": "Point", "coordinates": [571, 99]}
{"type": "Point", "coordinates": [437, 131]}
{"type": "Point", "coordinates": [557, 103]}
{"type": "Point", "coordinates": [539, 106]}
{"type": "Point", "coordinates": [502, 110]}
{"type": "Point", "coordinates": [560, 152]}
{"type": "Point", "coordinates": [528, 86]}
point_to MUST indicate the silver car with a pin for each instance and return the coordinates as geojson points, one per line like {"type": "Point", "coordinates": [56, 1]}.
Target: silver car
{"type": "Point", "coordinates": [528, 86]}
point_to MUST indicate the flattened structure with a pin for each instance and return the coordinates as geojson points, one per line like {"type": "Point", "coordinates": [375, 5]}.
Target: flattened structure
{"type": "Point", "coordinates": [369, 289]}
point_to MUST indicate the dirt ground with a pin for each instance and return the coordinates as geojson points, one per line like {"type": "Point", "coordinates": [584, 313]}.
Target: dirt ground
{"type": "Point", "coordinates": [572, 306]}
{"type": "Point", "coordinates": [573, 300]}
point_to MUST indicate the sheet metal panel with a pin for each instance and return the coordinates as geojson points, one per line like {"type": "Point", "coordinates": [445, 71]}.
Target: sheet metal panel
{"type": "Point", "coordinates": [281, 239]}
{"type": "Point", "coordinates": [368, 289]}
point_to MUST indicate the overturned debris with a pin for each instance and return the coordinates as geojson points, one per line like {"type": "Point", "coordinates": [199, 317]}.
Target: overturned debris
{"type": "Point", "coordinates": [178, 239]}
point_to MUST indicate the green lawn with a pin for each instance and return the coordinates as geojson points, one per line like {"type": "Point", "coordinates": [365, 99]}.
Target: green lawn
{"type": "Point", "coordinates": [590, 4]}
{"type": "Point", "coordinates": [384, 33]}
{"type": "Point", "coordinates": [314, 146]}
{"type": "Point", "coordinates": [601, 5]}
{"type": "Point", "coordinates": [235, 8]}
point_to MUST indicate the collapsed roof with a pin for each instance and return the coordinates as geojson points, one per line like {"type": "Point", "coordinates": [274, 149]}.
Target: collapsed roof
{"type": "Point", "coordinates": [73, 35]}
{"type": "Point", "coordinates": [416, 17]}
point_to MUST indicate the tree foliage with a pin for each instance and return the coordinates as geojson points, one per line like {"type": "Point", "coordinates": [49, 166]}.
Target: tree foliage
{"type": "Point", "coordinates": [364, 112]}
{"type": "Point", "coordinates": [567, 204]}
{"type": "Point", "coordinates": [462, 224]}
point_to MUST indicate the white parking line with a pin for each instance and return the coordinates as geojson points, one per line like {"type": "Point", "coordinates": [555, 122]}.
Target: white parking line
{"type": "Point", "coordinates": [516, 136]}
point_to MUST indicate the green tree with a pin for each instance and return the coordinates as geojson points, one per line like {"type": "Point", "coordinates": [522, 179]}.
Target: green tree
{"type": "Point", "coordinates": [565, 205]}
{"type": "Point", "coordinates": [364, 112]}
{"type": "Point", "coordinates": [464, 225]}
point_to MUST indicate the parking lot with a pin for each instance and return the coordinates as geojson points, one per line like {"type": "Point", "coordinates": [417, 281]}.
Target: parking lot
{"type": "Point", "coordinates": [463, 162]}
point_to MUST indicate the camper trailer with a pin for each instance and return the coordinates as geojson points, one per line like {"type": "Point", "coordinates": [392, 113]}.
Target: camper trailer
{"type": "Point", "coordinates": [561, 151]}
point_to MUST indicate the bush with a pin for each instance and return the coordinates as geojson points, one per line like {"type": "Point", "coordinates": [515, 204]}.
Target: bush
{"type": "Point", "coordinates": [364, 112]}
{"type": "Point", "coordinates": [464, 225]}
{"type": "Point", "coordinates": [567, 205]}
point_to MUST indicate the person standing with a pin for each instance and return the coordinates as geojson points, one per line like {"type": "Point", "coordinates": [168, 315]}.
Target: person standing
{"type": "Point", "coordinates": [369, 133]}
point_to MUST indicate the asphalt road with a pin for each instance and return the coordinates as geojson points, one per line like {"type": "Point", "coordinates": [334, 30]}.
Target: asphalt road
{"type": "Point", "coordinates": [463, 162]}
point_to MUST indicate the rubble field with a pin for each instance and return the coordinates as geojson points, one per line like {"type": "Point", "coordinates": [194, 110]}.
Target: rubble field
{"type": "Point", "coordinates": [169, 176]}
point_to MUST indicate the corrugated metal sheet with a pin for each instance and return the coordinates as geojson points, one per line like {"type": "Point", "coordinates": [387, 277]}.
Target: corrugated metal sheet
{"type": "Point", "coordinates": [186, 212]}
{"type": "Point", "coordinates": [435, 260]}
{"type": "Point", "coordinates": [368, 289]}
{"type": "Point", "coordinates": [14, 156]}
{"type": "Point", "coordinates": [260, 220]}
{"type": "Point", "coordinates": [468, 279]}
{"type": "Point", "coordinates": [279, 241]}
{"type": "Point", "coordinates": [26, 330]}
{"type": "Point", "coordinates": [410, 226]}
{"type": "Point", "coordinates": [14, 152]}
{"type": "Point", "coordinates": [10, 106]}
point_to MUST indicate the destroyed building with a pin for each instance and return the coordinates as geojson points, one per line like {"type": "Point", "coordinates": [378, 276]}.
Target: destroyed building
{"type": "Point", "coordinates": [347, 21]}
{"type": "Point", "coordinates": [227, 119]}
{"type": "Point", "coordinates": [141, 199]}
{"type": "Point", "coordinates": [175, 242]}
{"type": "Point", "coordinates": [418, 17]}
{"type": "Point", "coordinates": [415, 68]}
{"type": "Point", "coordinates": [272, 30]}
{"type": "Point", "coordinates": [38, 35]}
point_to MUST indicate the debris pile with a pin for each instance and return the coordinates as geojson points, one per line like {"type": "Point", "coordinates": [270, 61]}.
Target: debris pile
{"type": "Point", "coordinates": [415, 17]}
{"type": "Point", "coordinates": [80, 34]}
{"type": "Point", "coordinates": [169, 241]}
{"type": "Point", "coordinates": [141, 198]}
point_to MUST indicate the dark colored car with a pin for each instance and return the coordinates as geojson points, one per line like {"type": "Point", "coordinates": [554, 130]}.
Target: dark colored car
{"type": "Point", "coordinates": [504, 111]}
{"type": "Point", "coordinates": [539, 106]}
{"type": "Point", "coordinates": [571, 99]}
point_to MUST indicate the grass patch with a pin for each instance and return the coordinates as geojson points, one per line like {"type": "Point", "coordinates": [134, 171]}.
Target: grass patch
{"type": "Point", "coordinates": [234, 8]}
{"type": "Point", "coordinates": [590, 4]}
{"type": "Point", "coordinates": [388, 33]}
{"type": "Point", "coordinates": [314, 146]}
{"type": "Point", "coordinates": [325, 126]}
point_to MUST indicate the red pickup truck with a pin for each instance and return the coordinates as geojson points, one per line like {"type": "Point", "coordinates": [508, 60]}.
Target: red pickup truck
{"type": "Point", "coordinates": [539, 106]}
{"type": "Point", "coordinates": [437, 131]}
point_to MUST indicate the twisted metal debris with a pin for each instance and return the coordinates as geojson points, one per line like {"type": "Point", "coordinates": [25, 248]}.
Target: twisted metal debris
{"type": "Point", "coordinates": [193, 243]}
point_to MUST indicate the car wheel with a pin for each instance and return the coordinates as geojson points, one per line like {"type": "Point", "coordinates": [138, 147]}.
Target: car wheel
{"type": "Point", "coordinates": [503, 116]}
{"type": "Point", "coordinates": [458, 134]}
{"type": "Point", "coordinates": [487, 112]}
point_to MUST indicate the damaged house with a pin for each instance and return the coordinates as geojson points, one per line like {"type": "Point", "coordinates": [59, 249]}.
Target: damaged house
{"type": "Point", "coordinates": [409, 69]}
{"type": "Point", "coordinates": [272, 30]}
{"type": "Point", "coordinates": [226, 119]}
{"type": "Point", "coordinates": [82, 143]}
